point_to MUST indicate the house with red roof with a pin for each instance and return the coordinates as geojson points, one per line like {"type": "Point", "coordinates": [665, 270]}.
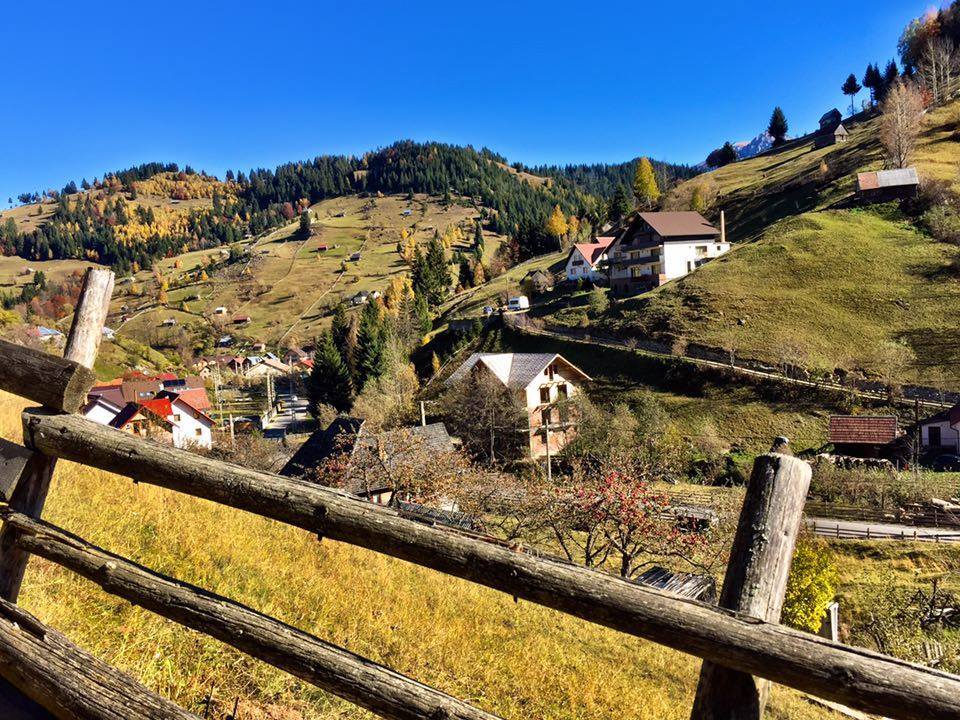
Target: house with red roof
{"type": "Point", "coordinates": [585, 260]}
{"type": "Point", "coordinates": [163, 407]}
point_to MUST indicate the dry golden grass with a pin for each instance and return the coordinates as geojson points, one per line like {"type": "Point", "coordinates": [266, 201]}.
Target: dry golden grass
{"type": "Point", "coordinates": [518, 660]}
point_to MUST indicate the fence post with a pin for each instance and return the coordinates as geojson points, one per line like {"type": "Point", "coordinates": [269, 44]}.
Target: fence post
{"type": "Point", "coordinates": [756, 578]}
{"type": "Point", "coordinates": [31, 492]}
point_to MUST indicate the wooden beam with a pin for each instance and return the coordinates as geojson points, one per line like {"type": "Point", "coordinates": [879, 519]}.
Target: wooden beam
{"type": "Point", "coordinates": [327, 666]}
{"type": "Point", "coordinates": [43, 378]}
{"type": "Point", "coordinates": [852, 676]}
{"type": "Point", "coordinates": [68, 682]}
{"type": "Point", "coordinates": [31, 491]}
{"type": "Point", "coordinates": [756, 579]}
{"type": "Point", "coordinates": [14, 461]}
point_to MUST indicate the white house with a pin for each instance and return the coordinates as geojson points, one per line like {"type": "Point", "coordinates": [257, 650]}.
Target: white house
{"type": "Point", "coordinates": [585, 259]}
{"type": "Point", "coordinates": [267, 366]}
{"type": "Point", "coordinates": [652, 248]}
{"type": "Point", "coordinates": [101, 410]}
{"type": "Point", "coordinates": [191, 426]}
{"type": "Point", "coordinates": [942, 431]}
{"type": "Point", "coordinates": [542, 382]}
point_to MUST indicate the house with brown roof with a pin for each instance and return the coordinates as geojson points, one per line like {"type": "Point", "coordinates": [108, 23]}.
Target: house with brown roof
{"type": "Point", "coordinates": [586, 260]}
{"type": "Point", "coordinates": [542, 382]}
{"type": "Point", "coordinates": [654, 247]}
{"type": "Point", "coordinates": [866, 436]}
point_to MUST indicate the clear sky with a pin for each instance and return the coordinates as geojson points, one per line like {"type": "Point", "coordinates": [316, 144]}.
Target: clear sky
{"type": "Point", "coordinates": [94, 87]}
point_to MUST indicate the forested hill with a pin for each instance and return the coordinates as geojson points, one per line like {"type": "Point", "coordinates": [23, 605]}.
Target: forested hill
{"type": "Point", "coordinates": [603, 179]}
{"type": "Point", "coordinates": [136, 215]}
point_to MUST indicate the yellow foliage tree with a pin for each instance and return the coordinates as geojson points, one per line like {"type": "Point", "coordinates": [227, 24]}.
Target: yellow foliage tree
{"type": "Point", "coordinates": [479, 276]}
{"type": "Point", "coordinates": [557, 223]}
{"type": "Point", "coordinates": [645, 185]}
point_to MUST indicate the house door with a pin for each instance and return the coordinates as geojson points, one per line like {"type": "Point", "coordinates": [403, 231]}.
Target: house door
{"type": "Point", "coordinates": [933, 436]}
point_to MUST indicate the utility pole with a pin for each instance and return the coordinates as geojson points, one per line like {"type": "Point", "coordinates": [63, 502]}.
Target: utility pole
{"type": "Point", "coordinates": [549, 464]}
{"type": "Point", "coordinates": [423, 413]}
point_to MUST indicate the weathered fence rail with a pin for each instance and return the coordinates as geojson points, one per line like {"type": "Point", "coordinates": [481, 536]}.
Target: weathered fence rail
{"type": "Point", "coordinates": [870, 681]}
{"type": "Point", "coordinates": [738, 647]}
{"type": "Point", "coordinates": [327, 666]}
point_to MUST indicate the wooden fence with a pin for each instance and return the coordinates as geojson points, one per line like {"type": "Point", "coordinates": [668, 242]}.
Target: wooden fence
{"type": "Point", "coordinates": [741, 642]}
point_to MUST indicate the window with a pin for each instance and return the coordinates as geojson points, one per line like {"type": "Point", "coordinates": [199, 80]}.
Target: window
{"type": "Point", "coordinates": [562, 391]}
{"type": "Point", "coordinates": [578, 262]}
{"type": "Point", "coordinates": [701, 250]}
{"type": "Point", "coordinates": [176, 417]}
{"type": "Point", "coordinates": [551, 370]}
{"type": "Point", "coordinates": [933, 436]}
{"type": "Point", "coordinates": [198, 432]}
{"type": "Point", "coordinates": [545, 417]}
{"type": "Point", "coordinates": [545, 394]}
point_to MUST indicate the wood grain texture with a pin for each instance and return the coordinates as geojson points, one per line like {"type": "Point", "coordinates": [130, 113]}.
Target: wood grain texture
{"type": "Point", "coordinates": [43, 378]}
{"type": "Point", "coordinates": [31, 491]}
{"type": "Point", "coordinates": [68, 682]}
{"type": "Point", "coordinates": [756, 579]}
{"type": "Point", "coordinates": [852, 676]}
{"type": "Point", "coordinates": [361, 681]}
{"type": "Point", "coordinates": [14, 461]}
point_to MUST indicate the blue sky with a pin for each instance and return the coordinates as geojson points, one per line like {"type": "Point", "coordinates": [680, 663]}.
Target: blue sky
{"type": "Point", "coordinates": [89, 88]}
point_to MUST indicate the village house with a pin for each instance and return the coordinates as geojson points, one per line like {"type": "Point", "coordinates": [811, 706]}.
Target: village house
{"type": "Point", "coordinates": [586, 259]}
{"type": "Point", "coordinates": [295, 355]}
{"type": "Point", "coordinates": [654, 247]}
{"type": "Point", "coordinates": [887, 185]}
{"type": "Point", "coordinates": [831, 136]}
{"type": "Point", "coordinates": [537, 282]}
{"type": "Point", "coordinates": [542, 382]}
{"type": "Point", "coordinates": [941, 432]}
{"type": "Point", "coordinates": [830, 119]}
{"type": "Point", "coordinates": [864, 436]}
{"type": "Point", "coordinates": [163, 407]}
{"type": "Point", "coordinates": [349, 438]}
{"type": "Point", "coordinates": [266, 366]}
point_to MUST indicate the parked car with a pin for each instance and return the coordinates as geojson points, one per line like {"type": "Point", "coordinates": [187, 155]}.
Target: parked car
{"type": "Point", "coordinates": [947, 462]}
{"type": "Point", "coordinates": [487, 310]}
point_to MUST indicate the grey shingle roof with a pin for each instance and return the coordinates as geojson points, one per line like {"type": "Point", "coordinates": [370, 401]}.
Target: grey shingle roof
{"type": "Point", "coordinates": [515, 370]}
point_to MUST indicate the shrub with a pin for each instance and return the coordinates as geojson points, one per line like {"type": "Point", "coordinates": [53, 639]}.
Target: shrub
{"type": "Point", "coordinates": [943, 223]}
{"type": "Point", "coordinates": [598, 301]}
{"type": "Point", "coordinates": [811, 586]}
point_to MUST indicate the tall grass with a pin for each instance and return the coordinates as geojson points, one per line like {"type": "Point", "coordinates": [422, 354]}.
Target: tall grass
{"type": "Point", "coordinates": [515, 659]}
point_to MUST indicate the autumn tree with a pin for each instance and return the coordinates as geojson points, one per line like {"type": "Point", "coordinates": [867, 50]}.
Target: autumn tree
{"type": "Point", "coordinates": [937, 67]}
{"type": "Point", "coordinates": [487, 416]}
{"type": "Point", "coordinates": [330, 382]}
{"type": "Point", "coordinates": [557, 225]}
{"type": "Point", "coordinates": [811, 586]}
{"type": "Point", "coordinates": [645, 187]}
{"type": "Point", "coordinates": [851, 87]}
{"type": "Point", "coordinates": [900, 124]}
{"type": "Point", "coordinates": [778, 126]}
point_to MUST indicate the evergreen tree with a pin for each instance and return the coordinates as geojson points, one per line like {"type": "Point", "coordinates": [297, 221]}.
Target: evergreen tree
{"type": "Point", "coordinates": [465, 274]}
{"type": "Point", "coordinates": [778, 126]}
{"type": "Point", "coordinates": [724, 156]}
{"type": "Point", "coordinates": [478, 239]}
{"type": "Point", "coordinates": [619, 205]}
{"type": "Point", "coordinates": [436, 274]}
{"type": "Point", "coordinates": [84, 184]}
{"type": "Point", "coordinates": [873, 81]}
{"type": "Point", "coordinates": [340, 332]}
{"type": "Point", "coordinates": [889, 76]}
{"type": "Point", "coordinates": [645, 187]}
{"type": "Point", "coordinates": [851, 87]}
{"type": "Point", "coordinates": [371, 344]}
{"type": "Point", "coordinates": [330, 382]}
{"type": "Point", "coordinates": [421, 310]}
{"type": "Point", "coordinates": [304, 231]}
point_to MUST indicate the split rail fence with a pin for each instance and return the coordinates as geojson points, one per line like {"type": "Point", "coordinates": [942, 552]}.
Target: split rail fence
{"type": "Point", "coordinates": [741, 642]}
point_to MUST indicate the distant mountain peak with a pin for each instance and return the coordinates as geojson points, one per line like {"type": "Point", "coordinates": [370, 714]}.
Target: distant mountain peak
{"type": "Point", "coordinates": [747, 149]}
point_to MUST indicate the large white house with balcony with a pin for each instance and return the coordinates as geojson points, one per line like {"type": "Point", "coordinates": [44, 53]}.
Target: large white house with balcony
{"type": "Point", "coordinates": [541, 382]}
{"type": "Point", "coordinates": [654, 247]}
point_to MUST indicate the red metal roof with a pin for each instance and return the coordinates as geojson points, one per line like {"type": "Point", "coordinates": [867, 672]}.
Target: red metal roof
{"type": "Point", "coordinates": [863, 429]}
{"type": "Point", "coordinates": [592, 251]}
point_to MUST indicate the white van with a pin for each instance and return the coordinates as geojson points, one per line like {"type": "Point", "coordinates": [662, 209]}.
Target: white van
{"type": "Point", "coordinates": [519, 303]}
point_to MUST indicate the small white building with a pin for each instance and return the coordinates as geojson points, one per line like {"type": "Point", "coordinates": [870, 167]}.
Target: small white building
{"type": "Point", "coordinates": [542, 382]}
{"type": "Point", "coordinates": [191, 427]}
{"type": "Point", "coordinates": [585, 260]}
{"type": "Point", "coordinates": [101, 410]}
{"type": "Point", "coordinates": [942, 431]}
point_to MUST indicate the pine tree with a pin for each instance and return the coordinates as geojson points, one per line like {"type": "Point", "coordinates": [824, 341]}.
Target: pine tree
{"type": "Point", "coordinates": [465, 274]}
{"type": "Point", "coordinates": [851, 87]}
{"type": "Point", "coordinates": [421, 310]}
{"type": "Point", "coordinates": [478, 238]}
{"type": "Point", "coordinates": [619, 205]}
{"type": "Point", "coordinates": [645, 187]}
{"type": "Point", "coordinates": [778, 126]}
{"type": "Point", "coordinates": [371, 344]}
{"type": "Point", "coordinates": [340, 332]}
{"type": "Point", "coordinates": [436, 273]}
{"type": "Point", "coordinates": [873, 81]}
{"type": "Point", "coordinates": [305, 224]}
{"type": "Point", "coordinates": [330, 382]}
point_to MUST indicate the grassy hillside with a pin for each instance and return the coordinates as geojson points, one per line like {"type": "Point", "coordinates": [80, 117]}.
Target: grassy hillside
{"type": "Point", "coordinates": [518, 660]}
{"type": "Point", "coordinates": [827, 290]}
